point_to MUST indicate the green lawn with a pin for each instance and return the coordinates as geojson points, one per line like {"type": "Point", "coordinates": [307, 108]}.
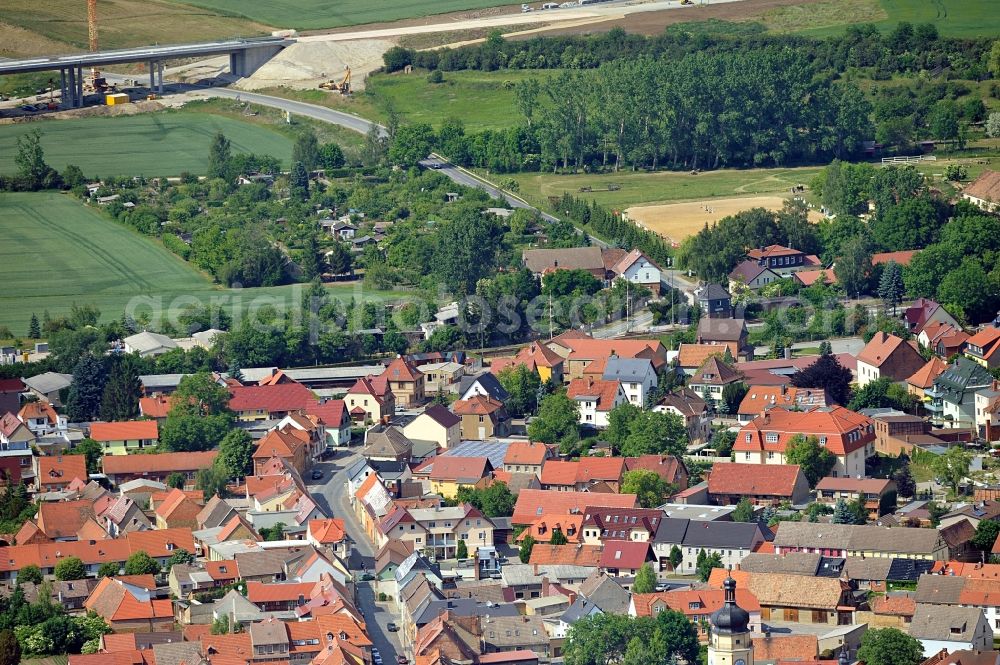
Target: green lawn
{"type": "Point", "coordinates": [662, 186]}
{"type": "Point", "coordinates": [482, 100]}
{"type": "Point", "coordinates": [150, 144]}
{"type": "Point", "coordinates": [57, 252]}
{"type": "Point", "coordinates": [953, 18]}
{"type": "Point", "coordinates": [315, 14]}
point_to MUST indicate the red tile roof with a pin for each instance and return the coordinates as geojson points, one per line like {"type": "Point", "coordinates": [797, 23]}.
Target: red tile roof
{"type": "Point", "coordinates": [460, 469]}
{"type": "Point", "coordinates": [543, 528]}
{"type": "Point", "coordinates": [778, 480]}
{"type": "Point", "coordinates": [155, 407]}
{"type": "Point", "coordinates": [867, 485]}
{"type": "Point", "coordinates": [761, 398]}
{"type": "Point", "coordinates": [835, 424]}
{"type": "Point", "coordinates": [771, 251]}
{"type": "Point", "coordinates": [526, 452]}
{"type": "Point", "coordinates": [270, 399]}
{"type": "Point", "coordinates": [667, 467]}
{"type": "Point", "coordinates": [695, 355]}
{"type": "Point", "coordinates": [402, 370]}
{"type": "Point", "coordinates": [988, 339]}
{"type": "Point", "coordinates": [61, 469]}
{"type": "Point", "coordinates": [895, 605]}
{"type": "Point", "coordinates": [270, 592]}
{"type": "Point", "coordinates": [124, 431]}
{"type": "Point", "coordinates": [903, 258]}
{"type": "Point", "coordinates": [159, 463]}
{"type": "Point", "coordinates": [532, 504]}
{"type": "Point", "coordinates": [624, 554]}
{"type": "Point", "coordinates": [586, 470]}
{"type": "Point", "coordinates": [810, 277]}
{"type": "Point", "coordinates": [692, 603]}
{"type": "Point", "coordinates": [477, 405]}
{"type": "Point", "coordinates": [924, 377]}
{"type": "Point", "coordinates": [985, 187]}
{"type": "Point", "coordinates": [881, 347]}
{"type": "Point", "coordinates": [603, 392]}
{"type": "Point", "coordinates": [64, 519]}
{"type": "Point", "coordinates": [177, 506]}
{"type": "Point", "coordinates": [11, 386]}
{"type": "Point", "coordinates": [327, 531]}
{"type": "Point", "coordinates": [332, 412]}
{"type": "Point", "coordinates": [277, 443]}
{"type": "Point", "coordinates": [568, 555]}
{"type": "Point", "coordinates": [112, 600]}
{"type": "Point", "coordinates": [38, 410]}
{"type": "Point", "coordinates": [161, 542]}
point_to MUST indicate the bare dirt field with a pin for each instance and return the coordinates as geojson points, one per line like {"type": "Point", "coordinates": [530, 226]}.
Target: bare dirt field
{"type": "Point", "coordinates": [676, 221]}
{"type": "Point", "coordinates": [653, 23]}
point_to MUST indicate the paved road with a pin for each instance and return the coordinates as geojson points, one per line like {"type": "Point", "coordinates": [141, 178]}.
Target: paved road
{"type": "Point", "coordinates": [332, 496]}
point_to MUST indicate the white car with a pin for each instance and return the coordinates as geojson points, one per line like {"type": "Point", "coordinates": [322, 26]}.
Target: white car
{"type": "Point", "coordinates": [376, 656]}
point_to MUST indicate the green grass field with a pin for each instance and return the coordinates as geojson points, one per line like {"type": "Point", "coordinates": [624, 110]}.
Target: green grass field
{"type": "Point", "coordinates": [150, 144]}
{"type": "Point", "coordinates": [316, 14]}
{"type": "Point", "coordinates": [953, 18]}
{"type": "Point", "coordinates": [482, 100]}
{"type": "Point", "coordinates": [662, 186]}
{"type": "Point", "coordinates": [57, 252]}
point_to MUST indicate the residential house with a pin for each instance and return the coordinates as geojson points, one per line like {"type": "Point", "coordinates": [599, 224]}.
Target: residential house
{"type": "Point", "coordinates": [130, 608]}
{"type": "Point", "coordinates": [42, 419]}
{"type": "Point", "coordinates": [624, 558]}
{"type": "Point", "coordinates": [760, 399]}
{"type": "Point", "coordinates": [436, 424]}
{"type": "Point", "coordinates": [924, 378]}
{"type": "Point", "coordinates": [270, 401]}
{"type": "Point", "coordinates": [15, 451]}
{"type": "Point", "coordinates": [692, 408]}
{"type": "Point", "coordinates": [669, 468]}
{"type": "Point", "coordinates": [370, 400]}
{"type": "Point", "coordinates": [178, 510]}
{"type": "Point", "coordinates": [877, 494]}
{"type": "Point", "coordinates": [952, 628]}
{"type": "Point", "coordinates": [783, 260]}
{"type": "Point", "coordinates": [953, 395]}
{"type": "Point", "coordinates": [974, 513]}
{"type": "Point", "coordinates": [121, 438]}
{"type": "Point", "coordinates": [59, 521]}
{"type": "Point", "coordinates": [714, 301]}
{"type": "Point", "coordinates": [888, 356]}
{"type": "Point", "coordinates": [155, 408]}
{"type": "Point", "coordinates": [984, 347]}
{"type": "Point", "coordinates": [537, 358]}
{"type": "Point", "coordinates": [987, 405]}
{"type": "Point", "coordinates": [924, 312]}
{"type": "Point", "coordinates": [10, 395]}
{"type": "Point", "coordinates": [57, 472]}
{"type": "Point", "coordinates": [148, 344]}
{"type": "Point", "coordinates": [732, 541]}
{"type": "Point", "coordinates": [712, 377]}
{"type": "Point", "coordinates": [697, 605]}
{"type": "Point", "coordinates": [848, 435]}
{"type": "Point", "coordinates": [731, 333]}
{"type": "Point", "coordinates": [532, 504]}
{"type": "Point", "coordinates": [49, 386]}
{"type": "Point", "coordinates": [770, 485]}
{"type": "Point", "coordinates": [795, 598]}
{"type": "Point", "coordinates": [943, 339]}
{"type": "Point", "coordinates": [579, 351]}
{"type": "Point", "coordinates": [156, 467]}
{"type": "Point", "coordinates": [637, 268]}
{"type": "Point", "coordinates": [406, 382]}
{"type": "Point", "coordinates": [450, 473]}
{"type": "Point", "coordinates": [445, 526]}
{"type": "Point", "coordinates": [595, 400]}
{"type": "Point", "coordinates": [506, 635]}
{"type": "Point", "coordinates": [441, 378]}
{"type": "Point", "coordinates": [814, 276]}
{"type": "Point", "coordinates": [485, 384]}
{"type": "Point", "coordinates": [334, 421]}
{"type": "Point", "coordinates": [600, 525]}
{"type": "Point", "coordinates": [186, 579]}
{"type": "Point", "coordinates": [984, 191]}
{"type": "Point", "coordinates": [897, 432]}
{"type": "Point", "coordinates": [482, 418]}
{"type": "Point", "coordinates": [841, 540]}
{"type": "Point", "coordinates": [582, 474]}
{"type": "Point", "coordinates": [636, 375]}
{"type": "Point", "coordinates": [123, 515]}
{"type": "Point", "coordinates": [330, 533]}
{"type": "Point", "coordinates": [387, 444]}
{"type": "Point", "coordinates": [692, 356]}
{"type": "Point", "coordinates": [526, 457]}
{"type": "Point", "coordinates": [752, 274]}
{"type": "Point", "coordinates": [288, 444]}
{"type": "Point", "coordinates": [543, 261]}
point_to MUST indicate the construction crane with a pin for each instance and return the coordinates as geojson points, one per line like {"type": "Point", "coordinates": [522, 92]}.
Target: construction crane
{"type": "Point", "coordinates": [97, 82]}
{"type": "Point", "coordinates": [343, 86]}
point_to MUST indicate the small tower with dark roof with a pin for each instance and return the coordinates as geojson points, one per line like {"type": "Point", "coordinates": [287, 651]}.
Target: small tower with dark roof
{"type": "Point", "coordinates": [730, 643]}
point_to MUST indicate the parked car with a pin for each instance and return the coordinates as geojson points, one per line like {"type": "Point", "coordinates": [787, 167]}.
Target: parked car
{"type": "Point", "coordinates": [317, 474]}
{"type": "Point", "coordinates": [391, 627]}
{"type": "Point", "coordinates": [401, 660]}
{"type": "Point", "coordinates": [376, 656]}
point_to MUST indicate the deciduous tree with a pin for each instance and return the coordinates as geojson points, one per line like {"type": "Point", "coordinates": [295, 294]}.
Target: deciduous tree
{"type": "Point", "coordinates": [140, 563]}
{"type": "Point", "coordinates": [814, 459]}
{"type": "Point", "coordinates": [645, 580]}
{"type": "Point", "coordinates": [889, 646]}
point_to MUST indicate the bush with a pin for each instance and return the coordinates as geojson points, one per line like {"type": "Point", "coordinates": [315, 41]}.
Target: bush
{"type": "Point", "coordinates": [435, 77]}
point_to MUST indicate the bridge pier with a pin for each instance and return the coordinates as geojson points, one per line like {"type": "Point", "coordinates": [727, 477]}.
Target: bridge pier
{"type": "Point", "coordinates": [79, 86]}
{"type": "Point", "coordinates": [63, 88]}
{"type": "Point", "coordinates": [245, 62]}
{"type": "Point", "coordinates": [160, 86]}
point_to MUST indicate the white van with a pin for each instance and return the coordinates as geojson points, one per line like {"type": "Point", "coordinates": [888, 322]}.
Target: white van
{"type": "Point", "coordinates": [550, 5]}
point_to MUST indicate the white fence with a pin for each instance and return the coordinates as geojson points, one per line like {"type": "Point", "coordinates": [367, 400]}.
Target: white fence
{"type": "Point", "coordinates": [908, 160]}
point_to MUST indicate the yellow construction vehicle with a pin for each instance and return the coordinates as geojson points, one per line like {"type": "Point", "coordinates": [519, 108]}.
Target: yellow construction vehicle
{"type": "Point", "coordinates": [343, 86]}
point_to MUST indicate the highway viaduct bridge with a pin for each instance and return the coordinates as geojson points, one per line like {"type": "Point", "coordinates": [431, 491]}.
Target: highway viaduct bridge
{"type": "Point", "coordinates": [245, 56]}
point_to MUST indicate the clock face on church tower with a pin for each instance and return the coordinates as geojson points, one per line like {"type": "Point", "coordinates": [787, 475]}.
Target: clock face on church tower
{"type": "Point", "coordinates": [740, 661]}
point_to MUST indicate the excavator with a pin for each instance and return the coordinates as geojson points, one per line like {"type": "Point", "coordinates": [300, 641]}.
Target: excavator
{"type": "Point", "coordinates": [343, 86]}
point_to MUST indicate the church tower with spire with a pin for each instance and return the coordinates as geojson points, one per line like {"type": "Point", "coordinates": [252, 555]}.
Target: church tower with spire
{"type": "Point", "coordinates": [730, 643]}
